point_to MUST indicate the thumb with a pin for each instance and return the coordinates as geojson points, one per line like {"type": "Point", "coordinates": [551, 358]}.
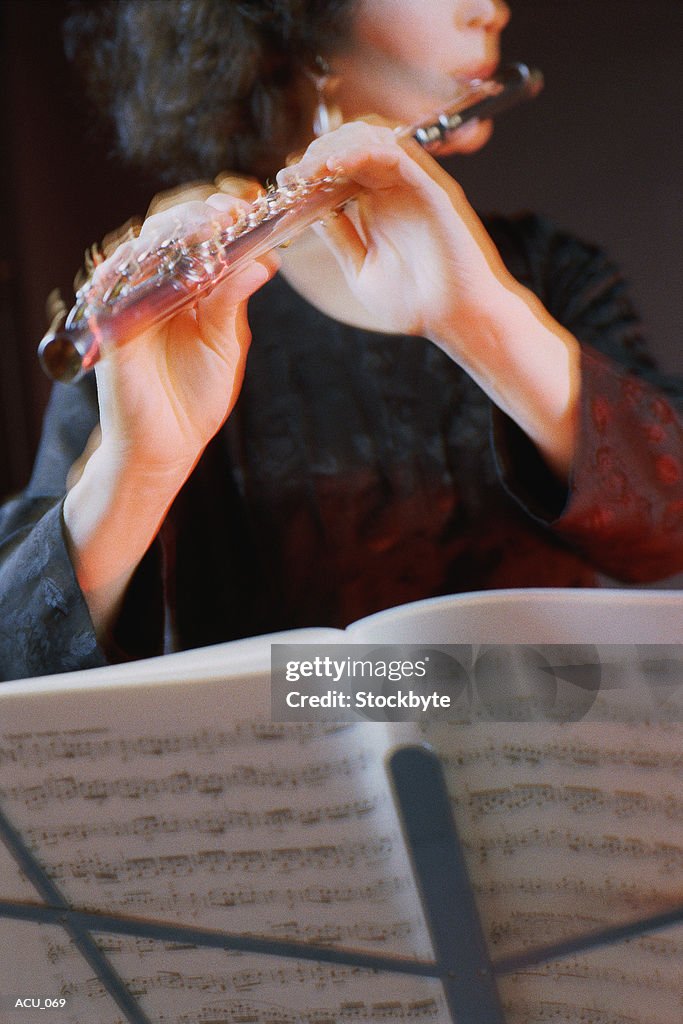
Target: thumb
{"type": "Point", "coordinates": [220, 305]}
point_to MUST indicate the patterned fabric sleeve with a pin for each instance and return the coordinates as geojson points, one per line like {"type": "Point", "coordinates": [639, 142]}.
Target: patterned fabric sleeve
{"type": "Point", "coordinates": [624, 507]}
{"type": "Point", "coordinates": [44, 621]}
{"type": "Point", "coordinates": [45, 625]}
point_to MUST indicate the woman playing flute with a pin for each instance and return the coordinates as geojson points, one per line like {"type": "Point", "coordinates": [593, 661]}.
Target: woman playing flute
{"type": "Point", "coordinates": [419, 402]}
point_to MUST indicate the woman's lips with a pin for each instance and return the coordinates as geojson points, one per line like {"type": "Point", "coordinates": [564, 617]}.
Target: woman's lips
{"type": "Point", "coordinates": [477, 72]}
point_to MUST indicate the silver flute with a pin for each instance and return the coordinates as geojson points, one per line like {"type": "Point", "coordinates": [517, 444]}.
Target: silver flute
{"type": "Point", "coordinates": [138, 288]}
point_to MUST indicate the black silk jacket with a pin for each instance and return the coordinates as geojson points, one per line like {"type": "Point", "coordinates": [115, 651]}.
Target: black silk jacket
{"type": "Point", "coordinates": [361, 471]}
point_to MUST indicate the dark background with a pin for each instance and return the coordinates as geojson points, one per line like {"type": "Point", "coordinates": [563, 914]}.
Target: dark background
{"type": "Point", "coordinates": [599, 152]}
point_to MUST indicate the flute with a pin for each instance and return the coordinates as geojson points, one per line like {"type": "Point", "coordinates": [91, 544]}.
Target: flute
{"type": "Point", "coordinates": [143, 289]}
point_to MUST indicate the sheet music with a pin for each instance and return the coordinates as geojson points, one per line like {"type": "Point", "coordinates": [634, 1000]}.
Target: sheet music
{"type": "Point", "coordinates": [195, 808]}
{"type": "Point", "coordinates": [569, 829]}
{"type": "Point", "coordinates": [186, 804]}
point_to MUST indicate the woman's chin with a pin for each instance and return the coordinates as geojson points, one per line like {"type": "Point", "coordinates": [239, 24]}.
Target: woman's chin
{"type": "Point", "coordinates": [467, 139]}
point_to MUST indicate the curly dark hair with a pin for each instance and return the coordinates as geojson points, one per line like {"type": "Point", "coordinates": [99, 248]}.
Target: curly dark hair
{"type": "Point", "coordinates": [194, 87]}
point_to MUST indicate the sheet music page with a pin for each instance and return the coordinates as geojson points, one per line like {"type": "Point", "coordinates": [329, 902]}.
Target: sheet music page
{"type": "Point", "coordinates": [185, 804]}
{"type": "Point", "coordinates": [569, 829]}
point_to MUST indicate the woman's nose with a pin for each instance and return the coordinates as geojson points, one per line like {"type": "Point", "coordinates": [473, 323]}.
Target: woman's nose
{"type": "Point", "coordinates": [492, 15]}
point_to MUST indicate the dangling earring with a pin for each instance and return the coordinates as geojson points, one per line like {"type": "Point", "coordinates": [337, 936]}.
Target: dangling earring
{"type": "Point", "coordinates": [327, 115]}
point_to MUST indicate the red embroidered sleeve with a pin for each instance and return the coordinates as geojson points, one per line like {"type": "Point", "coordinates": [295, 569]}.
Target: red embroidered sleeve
{"type": "Point", "coordinates": [625, 503]}
{"type": "Point", "coordinates": [623, 509]}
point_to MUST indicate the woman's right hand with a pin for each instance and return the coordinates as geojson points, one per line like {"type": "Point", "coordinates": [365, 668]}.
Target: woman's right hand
{"type": "Point", "coordinates": [162, 398]}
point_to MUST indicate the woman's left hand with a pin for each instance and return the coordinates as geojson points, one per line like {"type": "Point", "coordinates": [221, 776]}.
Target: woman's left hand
{"type": "Point", "coordinates": [415, 254]}
{"type": "Point", "coordinates": [411, 248]}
